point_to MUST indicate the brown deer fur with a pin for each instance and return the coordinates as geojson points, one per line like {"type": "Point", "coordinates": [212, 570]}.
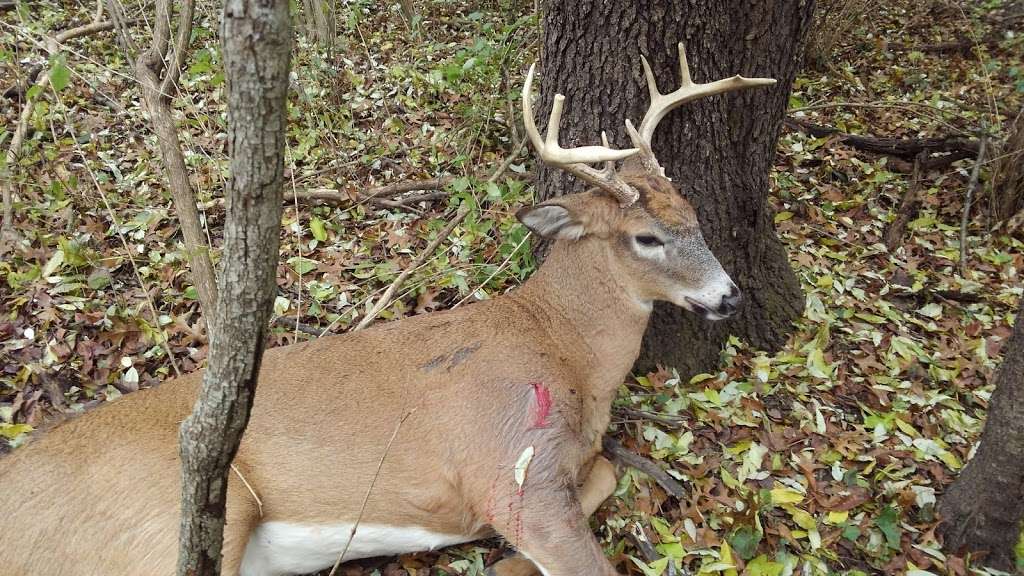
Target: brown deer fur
{"type": "Point", "coordinates": [98, 495]}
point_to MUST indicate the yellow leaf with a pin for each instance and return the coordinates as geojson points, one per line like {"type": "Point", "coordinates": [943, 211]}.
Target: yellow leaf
{"type": "Point", "coordinates": [726, 557]}
{"type": "Point", "coordinates": [782, 495]}
{"type": "Point", "coordinates": [838, 517]}
{"type": "Point", "coordinates": [802, 518]}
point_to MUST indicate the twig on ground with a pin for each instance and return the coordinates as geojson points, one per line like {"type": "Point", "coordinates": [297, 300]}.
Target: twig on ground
{"type": "Point", "coordinates": [369, 489]}
{"type": "Point", "coordinates": [642, 543]}
{"type": "Point", "coordinates": [385, 300]}
{"type": "Point", "coordinates": [627, 457]}
{"type": "Point", "coordinates": [378, 196]}
{"type": "Point", "coordinates": [908, 206]}
{"type": "Point", "coordinates": [120, 234]}
{"type": "Point", "coordinates": [670, 421]}
{"type": "Point", "coordinates": [964, 219]}
{"type": "Point", "coordinates": [397, 188]}
{"type": "Point", "coordinates": [963, 46]}
{"type": "Point", "coordinates": [294, 324]}
{"type": "Point", "coordinates": [252, 491]}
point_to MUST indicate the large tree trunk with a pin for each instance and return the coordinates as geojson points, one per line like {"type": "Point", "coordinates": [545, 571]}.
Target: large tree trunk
{"type": "Point", "coordinates": [983, 509]}
{"type": "Point", "coordinates": [257, 43]}
{"type": "Point", "coordinates": [717, 150]}
{"type": "Point", "coordinates": [1008, 176]}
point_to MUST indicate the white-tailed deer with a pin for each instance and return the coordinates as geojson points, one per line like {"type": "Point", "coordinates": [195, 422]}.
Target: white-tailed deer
{"type": "Point", "coordinates": [479, 389]}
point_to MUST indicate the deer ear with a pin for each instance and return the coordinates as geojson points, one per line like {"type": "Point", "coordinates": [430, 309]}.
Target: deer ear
{"type": "Point", "coordinates": [553, 221]}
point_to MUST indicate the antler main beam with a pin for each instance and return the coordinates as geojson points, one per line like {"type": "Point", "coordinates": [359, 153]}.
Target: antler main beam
{"type": "Point", "coordinates": [575, 160]}
{"type": "Point", "coordinates": [662, 104]}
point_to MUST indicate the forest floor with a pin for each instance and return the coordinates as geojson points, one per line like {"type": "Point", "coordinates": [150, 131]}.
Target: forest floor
{"type": "Point", "coordinates": [827, 457]}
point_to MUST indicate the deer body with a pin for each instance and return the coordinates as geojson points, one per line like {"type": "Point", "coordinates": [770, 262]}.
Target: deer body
{"type": "Point", "coordinates": [451, 401]}
{"type": "Point", "coordinates": [323, 415]}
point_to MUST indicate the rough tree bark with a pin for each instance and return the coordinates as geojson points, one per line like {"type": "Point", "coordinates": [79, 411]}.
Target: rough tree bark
{"type": "Point", "coordinates": [1008, 175]}
{"type": "Point", "coordinates": [718, 150]}
{"type": "Point", "coordinates": [257, 49]}
{"type": "Point", "coordinates": [983, 509]}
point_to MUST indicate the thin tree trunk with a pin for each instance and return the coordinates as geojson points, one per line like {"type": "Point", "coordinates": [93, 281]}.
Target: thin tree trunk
{"type": "Point", "coordinates": [157, 94]}
{"type": "Point", "coordinates": [717, 150]}
{"type": "Point", "coordinates": [983, 509]}
{"type": "Point", "coordinates": [257, 49]}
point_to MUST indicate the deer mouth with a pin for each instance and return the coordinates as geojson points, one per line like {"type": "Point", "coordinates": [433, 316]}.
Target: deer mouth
{"type": "Point", "coordinates": [698, 308]}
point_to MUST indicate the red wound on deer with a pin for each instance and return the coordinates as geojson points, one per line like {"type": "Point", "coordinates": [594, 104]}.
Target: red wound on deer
{"type": "Point", "coordinates": [541, 406]}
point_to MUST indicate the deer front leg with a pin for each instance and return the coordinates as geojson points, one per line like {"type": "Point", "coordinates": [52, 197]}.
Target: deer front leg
{"type": "Point", "coordinates": [597, 487]}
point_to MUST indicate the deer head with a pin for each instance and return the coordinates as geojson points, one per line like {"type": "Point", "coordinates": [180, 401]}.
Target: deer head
{"type": "Point", "coordinates": [651, 230]}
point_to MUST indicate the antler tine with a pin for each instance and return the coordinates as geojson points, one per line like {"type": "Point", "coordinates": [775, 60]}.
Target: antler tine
{"type": "Point", "coordinates": [662, 104]}
{"type": "Point", "coordinates": [575, 160]}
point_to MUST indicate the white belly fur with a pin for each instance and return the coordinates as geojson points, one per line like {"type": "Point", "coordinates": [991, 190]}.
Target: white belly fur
{"type": "Point", "coordinates": [284, 548]}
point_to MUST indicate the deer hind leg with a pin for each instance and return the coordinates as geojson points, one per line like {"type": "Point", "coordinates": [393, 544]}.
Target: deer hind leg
{"type": "Point", "coordinates": [597, 487]}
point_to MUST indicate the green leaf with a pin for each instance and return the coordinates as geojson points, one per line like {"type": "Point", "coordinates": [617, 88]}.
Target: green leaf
{"type": "Point", "coordinates": [816, 365]}
{"type": "Point", "coordinates": [316, 226]}
{"type": "Point", "coordinates": [744, 541]}
{"type": "Point", "coordinates": [656, 568]}
{"type": "Point", "coordinates": [851, 532]}
{"type": "Point", "coordinates": [889, 523]}
{"type": "Point", "coordinates": [302, 265]}
{"type": "Point", "coordinates": [60, 74]}
{"type": "Point", "coordinates": [99, 279]}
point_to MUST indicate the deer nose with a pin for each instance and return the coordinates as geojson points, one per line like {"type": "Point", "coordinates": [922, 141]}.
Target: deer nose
{"type": "Point", "coordinates": [730, 303]}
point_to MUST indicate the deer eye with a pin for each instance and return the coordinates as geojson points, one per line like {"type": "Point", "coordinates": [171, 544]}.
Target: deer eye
{"type": "Point", "coordinates": [649, 241]}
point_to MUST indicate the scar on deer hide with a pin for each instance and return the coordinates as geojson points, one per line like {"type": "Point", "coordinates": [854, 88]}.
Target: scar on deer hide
{"type": "Point", "coordinates": [540, 406]}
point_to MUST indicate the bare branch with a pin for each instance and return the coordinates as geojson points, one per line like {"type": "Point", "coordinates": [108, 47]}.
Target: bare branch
{"type": "Point", "coordinates": [158, 103]}
{"type": "Point", "coordinates": [621, 454]}
{"type": "Point", "coordinates": [427, 252]}
{"type": "Point", "coordinates": [968, 198]}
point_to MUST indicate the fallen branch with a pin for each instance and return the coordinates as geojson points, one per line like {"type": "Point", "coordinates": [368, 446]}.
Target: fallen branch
{"type": "Point", "coordinates": [670, 421]}
{"type": "Point", "coordinates": [627, 457]}
{"type": "Point", "coordinates": [405, 201]}
{"type": "Point", "coordinates": [962, 46]}
{"type": "Point", "coordinates": [378, 196]}
{"type": "Point", "coordinates": [908, 207]}
{"type": "Point", "coordinates": [964, 220]}
{"type": "Point", "coordinates": [397, 188]}
{"type": "Point", "coordinates": [52, 46]}
{"type": "Point", "coordinates": [296, 325]}
{"type": "Point", "coordinates": [427, 252]}
{"type": "Point", "coordinates": [906, 148]}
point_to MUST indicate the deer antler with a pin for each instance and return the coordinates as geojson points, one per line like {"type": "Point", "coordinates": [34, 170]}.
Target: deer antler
{"type": "Point", "coordinates": [662, 104]}
{"type": "Point", "coordinates": [575, 160]}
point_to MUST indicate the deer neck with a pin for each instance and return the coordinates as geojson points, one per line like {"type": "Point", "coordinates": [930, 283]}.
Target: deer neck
{"type": "Point", "coordinates": [594, 320]}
